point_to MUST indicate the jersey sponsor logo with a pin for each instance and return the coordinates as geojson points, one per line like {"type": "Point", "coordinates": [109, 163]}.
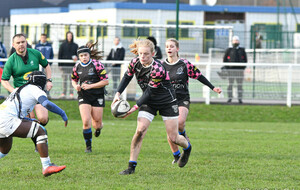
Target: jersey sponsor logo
{"type": "Point", "coordinates": [26, 75]}
{"type": "Point", "coordinates": [31, 63]}
{"type": "Point", "coordinates": [179, 71]}
{"type": "Point", "coordinates": [43, 57]}
{"type": "Point", "coordinates": [100, 101]}
{"type": "Point", "coordinates": [177, 86]}
{"type": "Point", "coordinates": [175, 108]}
{"type": "Point", "coordinates": [91, 71]}
{"type": "Point", "coordinates": [103, 72]}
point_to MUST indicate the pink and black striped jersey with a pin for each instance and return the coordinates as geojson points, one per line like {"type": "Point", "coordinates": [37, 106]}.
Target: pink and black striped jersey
{"type": "Point", "coordinates": [90, 73]}
{"type": "Point", "coordinates": [179, 73]}
{"type": "Point", "coordinates": [153, 80]}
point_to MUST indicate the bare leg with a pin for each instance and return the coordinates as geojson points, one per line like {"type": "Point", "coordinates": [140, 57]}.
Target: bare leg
{"type": "Point", "coordinates": [6, 144]}
{"type": "Point", "coordinates": [136, 143]}
{"type": "Point", "coordinates": [97, 114]}
{"type": "Point", "coordinates": [183, 113]}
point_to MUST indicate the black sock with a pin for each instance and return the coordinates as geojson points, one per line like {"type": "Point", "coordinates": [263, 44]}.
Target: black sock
{"type": "Point", "coordinates": [132, 165]}
{"type": "Point", "coordinates": [87, 135]}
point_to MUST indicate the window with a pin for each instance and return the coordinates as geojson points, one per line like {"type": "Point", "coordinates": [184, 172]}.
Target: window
{"type": "Point", "coordinates": [91, 33]}
{"type": "Point", "coordinates": [80, 30]}
{"type": "Point", "coordinates": [101, 30]}
{"type": "Point", "coordinates": [136, 32]}
{"type": "Point", "coordinates": [67, 28]}
{"type": "Point", "coordinates": [272, 34]}
{"type": "Point", "coordinates": [182, 33]}
{"type": "Point", "coordinates": [25, 30]}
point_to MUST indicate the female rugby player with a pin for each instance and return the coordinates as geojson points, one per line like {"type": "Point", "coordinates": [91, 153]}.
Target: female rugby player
{"type": "Point", "coordinates": [158, 95]}
{"type": "Point", "coordinates": [89, 79]}
{"type": "Point", "coordinates": [180, 70]}
{"type": "Point", "coordinates": [13, 121]}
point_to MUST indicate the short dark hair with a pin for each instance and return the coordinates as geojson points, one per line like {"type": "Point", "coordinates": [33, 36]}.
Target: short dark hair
{"type": "Point", "coordinates": [43, 34]}
{"type": "Point", "coordinates": [19, 35]}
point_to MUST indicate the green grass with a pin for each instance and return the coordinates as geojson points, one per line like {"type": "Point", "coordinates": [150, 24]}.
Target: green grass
{"type": "Point", "coordinates": [225, 155]}
{"type": "Point", "coordinates": [234, 147]}
{"type": "Point", "coordinates": [202, 112]}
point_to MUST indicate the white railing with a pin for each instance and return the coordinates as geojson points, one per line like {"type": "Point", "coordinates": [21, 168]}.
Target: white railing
{"type": "Point", "coordinates": [264, 83]}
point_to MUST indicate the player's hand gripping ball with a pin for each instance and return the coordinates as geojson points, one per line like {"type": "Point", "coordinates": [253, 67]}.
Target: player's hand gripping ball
{"type": "Point", "coordinates": [120, 108]}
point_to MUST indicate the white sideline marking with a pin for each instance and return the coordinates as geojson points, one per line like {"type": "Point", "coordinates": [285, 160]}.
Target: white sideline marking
{"type": "Point", "coordinates": [250, 131]}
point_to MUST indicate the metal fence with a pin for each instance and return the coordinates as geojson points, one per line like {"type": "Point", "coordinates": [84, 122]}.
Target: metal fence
{"type": "Point", "coordinates": [263, 83]}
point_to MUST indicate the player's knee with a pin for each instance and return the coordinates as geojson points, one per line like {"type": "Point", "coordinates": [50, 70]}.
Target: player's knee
{"type": "Point", "coordinates": [181, 125]}
{"type": "Point", "coordinates": [42, 139]}
{"type": "Point", "coordinates": [36, 130]}
{"type": "Point", "coordinates": [44, 121]}
{"type": "Point", "coordinates": [173, 139]}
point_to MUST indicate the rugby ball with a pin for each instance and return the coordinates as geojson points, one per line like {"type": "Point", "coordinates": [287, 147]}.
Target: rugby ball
{"type": "Point", "coordinates": [120, 108]}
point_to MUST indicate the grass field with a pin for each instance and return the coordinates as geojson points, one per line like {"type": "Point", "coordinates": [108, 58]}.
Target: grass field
{"type": "Point", "coordinates": [237, 154]}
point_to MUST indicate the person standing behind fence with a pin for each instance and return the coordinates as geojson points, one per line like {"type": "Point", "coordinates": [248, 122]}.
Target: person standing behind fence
{"type": "Point", "coordinates": [158, 54]}
{"type": "Point", "coordinates": [235, 54]}
{"type": "Point", "coordinates": [46, 49]}
{"type": "Point", "coordinates": [258, 39]}
{"type": "Point", "coordinates": [180, 70]}
{"type": "Point", "coordinates": [3, 53]}
{"type": "Point", "coordinates": [117, 53]}
{"type": "Point", "coordinates": [92, 78]}
{"type": "Point", "coordinates": [67, 50]}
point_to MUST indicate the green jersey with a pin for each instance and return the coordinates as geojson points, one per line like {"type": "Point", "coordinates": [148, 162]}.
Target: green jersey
{"type": "Point", "coordinates": [19, 70]}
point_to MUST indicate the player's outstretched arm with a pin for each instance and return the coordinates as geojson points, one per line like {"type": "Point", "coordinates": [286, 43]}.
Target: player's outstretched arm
{"type": "Point", "coordinates": [43, 100]}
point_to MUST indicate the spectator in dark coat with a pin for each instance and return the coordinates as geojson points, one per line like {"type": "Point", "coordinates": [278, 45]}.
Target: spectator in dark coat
{"type": "Point", "coordinates": [158, 54]}
{"type": "Point", "coordinates": [235, 54]}
{"type": "Point", "coordinates": [67, 50]}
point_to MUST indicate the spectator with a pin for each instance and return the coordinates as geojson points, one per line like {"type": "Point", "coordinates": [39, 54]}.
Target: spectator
{"type": "Point", "coordinates": [3, 53]}
{"type": "Point", "coordinates": [258, 39]}
{"type": "Point", "coordinates": [46, 49]}
{"type": "Point", "coordinates": [117, 53]}
{"type": "Point", "coordinates": [235, 54]}
{"type": "Point", "coordinates": [158, 54]}
{"type": "Point", "coordinates": [67, 50]}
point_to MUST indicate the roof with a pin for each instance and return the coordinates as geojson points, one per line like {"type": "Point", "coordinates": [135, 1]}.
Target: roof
{"type": "Point", "coordinates": [155, 6]}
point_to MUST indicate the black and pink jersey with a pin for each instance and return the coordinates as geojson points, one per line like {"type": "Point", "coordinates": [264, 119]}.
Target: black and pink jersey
{"type": "Point", "coordinates": [180, 72]}
{"type": "Point", "coordinates": [89, 73]}
{"type": "Point", "coordinates": [153, 80]}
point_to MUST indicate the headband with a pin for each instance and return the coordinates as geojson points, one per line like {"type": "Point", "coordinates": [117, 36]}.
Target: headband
{"type": "Point", "coordinates": [83, 49]}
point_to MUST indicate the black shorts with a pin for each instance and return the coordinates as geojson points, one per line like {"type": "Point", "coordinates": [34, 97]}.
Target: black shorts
{"type": "Point", "coordinates": [167, 110]}
{"type": "Point", "coordinates": [95, 100]}
{"type": "Point", "coordinates": [183, 101]}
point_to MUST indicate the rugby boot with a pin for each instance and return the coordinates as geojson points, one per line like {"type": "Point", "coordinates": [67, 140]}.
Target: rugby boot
{"type": "Point", "coordinates": [184, 158]}
{"type": "Point", "coordinates": [97, 132]}
{"type": "Point", "coordinates": [176, 158]}
{"type": "Point", "coordinates": [130, 169]}
{"type": "Point", "coordinates": [52, 169]}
